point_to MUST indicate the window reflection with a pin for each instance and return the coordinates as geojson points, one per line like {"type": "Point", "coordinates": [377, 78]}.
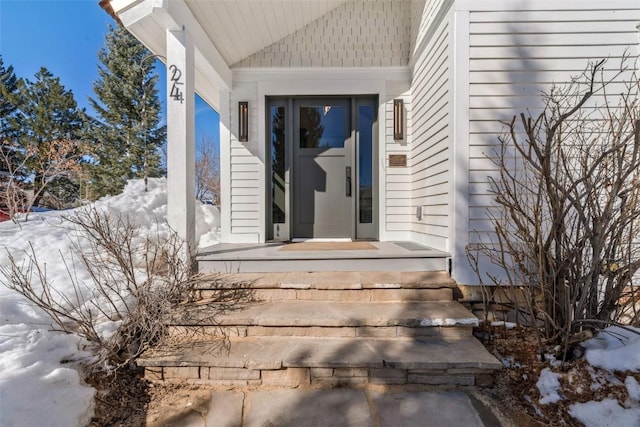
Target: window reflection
{"type": "Point", "coordinates": [277, 165]}
{"type": "Point", "coordinates": [322, 126]}
{"type": "Point", "coordinates": [365, 163]}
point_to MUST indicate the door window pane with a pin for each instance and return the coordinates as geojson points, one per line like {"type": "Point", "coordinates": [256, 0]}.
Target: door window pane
{"type": "Point", "coordinates": [365, 164]}
{"type": "Point", "coordinates": [277, 164]}
{"type": "Point", "coordinates": [323, 126]}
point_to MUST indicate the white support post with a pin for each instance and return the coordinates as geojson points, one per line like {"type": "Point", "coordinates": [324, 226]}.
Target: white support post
{"type": "Point", "coordinates": [459, 165]}
{"type": "Point", "coordinates": [225, 167]}
{"type": "Point", "coordinates": [181, 136]}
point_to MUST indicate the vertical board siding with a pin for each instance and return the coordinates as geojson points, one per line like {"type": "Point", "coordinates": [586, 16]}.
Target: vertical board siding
{"type": "Point", "coordinates": [358, 33]}
{"type": "Point", "coordinates": [245, 168]}
{"type": "Point", "coordinates": [515, 55]}
{"type": "Point", "coordinates": [430, 140]}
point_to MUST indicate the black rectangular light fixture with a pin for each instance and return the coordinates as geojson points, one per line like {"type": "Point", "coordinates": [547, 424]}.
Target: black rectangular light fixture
{"type": "Point", "coordinates": [243, 121]}
{"type": "Point", "coordinates": [398, 119]}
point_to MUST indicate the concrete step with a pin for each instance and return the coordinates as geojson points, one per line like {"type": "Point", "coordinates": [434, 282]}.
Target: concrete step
{"type": "Point", "coordinates": [273, 257]}
{"type": "Point", "coordinates": [327, 362]}
{"type": "Point", "coordinates": [334, 286]}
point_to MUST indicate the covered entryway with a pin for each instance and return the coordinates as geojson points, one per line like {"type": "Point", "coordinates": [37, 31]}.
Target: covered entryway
{"type": "Point", "coordinates": [322, 172]}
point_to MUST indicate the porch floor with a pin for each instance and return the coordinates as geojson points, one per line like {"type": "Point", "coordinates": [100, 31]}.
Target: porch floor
{"type": "Point", "coordinates": [269, 257]}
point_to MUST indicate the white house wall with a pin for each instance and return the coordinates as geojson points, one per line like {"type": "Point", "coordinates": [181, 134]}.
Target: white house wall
{"type": "Point", "coordinates": [431, 96]}
{"type": "Point", "coordinates": [517, 51]}
{"type": "Point", "coordinates": [246, 170]}
{"type": "Point", "coordinates": [397, 180]}
{"type": "Point", "coordinates": [425, 15]}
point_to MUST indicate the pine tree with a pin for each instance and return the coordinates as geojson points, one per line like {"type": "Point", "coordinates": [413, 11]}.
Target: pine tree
{"type": "Point", "coordinates": [8, 108]}
{"type": "Point", "coordinates": [48, 125]}
{"type": "Point", "coordinates": [8, 93]}
{"type": "Point", "coordinates": [127, 132]}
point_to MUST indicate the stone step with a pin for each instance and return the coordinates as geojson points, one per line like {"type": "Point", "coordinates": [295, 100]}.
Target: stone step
{"type": "Point", "coordinates": [327, 362]}
{"type": "Point", "coordinates": [335, 280]}
{"type": "Point", "coordinates": [333, 286]}
{"type": "Point", "coordinates": [361, 295]}
{"type": "Point", "coordinates": [355, 332]}
{"type": "Point", "coordinates": [329, 313]}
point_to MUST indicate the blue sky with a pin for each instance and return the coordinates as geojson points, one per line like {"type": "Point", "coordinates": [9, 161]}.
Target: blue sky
{"type": "Point", "coordinates": [64, 36]}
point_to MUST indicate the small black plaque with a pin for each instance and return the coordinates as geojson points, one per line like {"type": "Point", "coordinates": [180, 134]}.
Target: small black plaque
{"type": "Point", "coordinates": [397, 160]}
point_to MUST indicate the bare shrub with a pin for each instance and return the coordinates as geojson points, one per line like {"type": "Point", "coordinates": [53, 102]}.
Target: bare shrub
{"type": "Point", "coordinates": [135, 285]}
{"type": "Point", "coordinates": [207, 172]}
{"type": "Point", "coordinates": [566, 217]}
{"type": "Point", "coordinates": [32, 168]}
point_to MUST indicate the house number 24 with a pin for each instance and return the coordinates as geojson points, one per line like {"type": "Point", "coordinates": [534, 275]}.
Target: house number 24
{"type": "Point", "coordinates": [176, 78]}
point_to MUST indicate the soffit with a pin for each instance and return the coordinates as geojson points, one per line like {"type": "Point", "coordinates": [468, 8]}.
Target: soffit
{"type": "Point", "coordinates": [239, 28]}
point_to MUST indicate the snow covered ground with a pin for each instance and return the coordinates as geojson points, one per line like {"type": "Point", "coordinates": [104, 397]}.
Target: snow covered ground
{"type": "Point", "coordinates": [39, 383]}
{"type": "Point", "coordinates": [615, 349]}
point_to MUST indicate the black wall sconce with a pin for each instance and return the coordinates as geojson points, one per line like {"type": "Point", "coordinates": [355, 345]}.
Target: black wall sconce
{"type": "Point", "coordinates": [243, 121]}
{"type": "Point", "coordinates": [398, 119]}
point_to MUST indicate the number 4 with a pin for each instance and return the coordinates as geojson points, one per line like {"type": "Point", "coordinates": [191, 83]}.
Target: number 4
{"type": "Point", "coordinates": [176, 93]}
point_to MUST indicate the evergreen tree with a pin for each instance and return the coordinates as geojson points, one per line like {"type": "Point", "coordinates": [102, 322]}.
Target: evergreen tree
{"type": "Point", "coordinates": [127, 132]}
{"type": "Point", "coordinates": [46, 119]}
{"type": "Point", "coordinates": [8, 97]}
{"type": "Point", "coordinates": [8, 108]}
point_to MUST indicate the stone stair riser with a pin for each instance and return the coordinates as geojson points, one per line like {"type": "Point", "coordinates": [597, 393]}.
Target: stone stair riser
{"type": "Point", "coordinates": [363, 295]}
{"type": "Point", "coordinates": [320, 377]}
{"type": "Point", "coordinates": [208, 332]}
{"type": "Point", "coordinates": [329, 280]}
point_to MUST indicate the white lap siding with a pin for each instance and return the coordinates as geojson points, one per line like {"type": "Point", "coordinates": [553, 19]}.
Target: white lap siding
{"type": "Point", "coordinates": [516, 54]}
{"type": "Point", "coordinates": [430, 137]}
{"type": "Point", "coordinates": [247, 172]}
{"type": "Point", "coordinates": [397, 183]}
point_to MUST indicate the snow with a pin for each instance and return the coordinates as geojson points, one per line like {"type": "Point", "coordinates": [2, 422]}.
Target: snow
{"type": "Point", "coordinates": [548, 384]}
{"type": "Point", "coordinates": [39, 382]}
{"type": "Point", "coordinates": [507, 325]}
{"type": "Point", "coordinates": [607, 412]}
{"type": "Point", "coordinates": [615, 349]}
{"type": "Point", "coordinates": [449, 322]}
{"type": "Point", "coordinates": [633, 388]}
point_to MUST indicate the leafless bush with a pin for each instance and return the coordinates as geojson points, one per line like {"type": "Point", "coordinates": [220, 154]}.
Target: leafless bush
{"type": "Point", "coordinates": [566, 218]}
{"type": "Point", "coordinates": [207, 170]}
{"type": "Point", "coordinates": [135, 285]}
{"type": "Point", "coordinates": [32, 168]}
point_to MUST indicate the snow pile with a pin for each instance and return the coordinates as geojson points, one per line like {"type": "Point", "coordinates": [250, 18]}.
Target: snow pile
{"type": "Point", "coordinates": [607, 412]}
{"type": "Point", "coordinates": [38, 383]}
{"type": "Point", "coordinates": [548, 384]}
{"type": "Point", "coordinates": [614, 349]}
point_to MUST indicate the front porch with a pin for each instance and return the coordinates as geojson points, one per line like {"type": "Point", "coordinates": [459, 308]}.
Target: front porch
{"type": "Point", "coordinates": [321, 257]}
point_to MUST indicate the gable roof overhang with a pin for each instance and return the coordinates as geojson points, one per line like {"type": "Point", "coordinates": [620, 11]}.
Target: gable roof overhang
{"type": "Point", "coordinates": [223, 31]}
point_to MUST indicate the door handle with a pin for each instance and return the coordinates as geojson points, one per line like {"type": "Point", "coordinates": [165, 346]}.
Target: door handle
{"type": "Point", "coordinates": [348, 181]}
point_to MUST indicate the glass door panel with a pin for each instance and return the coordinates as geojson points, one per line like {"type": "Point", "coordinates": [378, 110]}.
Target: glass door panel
{"type": "Point", "coordinates": [367, 176]}
{"type": "Point", "coordinates": [279, 170]}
